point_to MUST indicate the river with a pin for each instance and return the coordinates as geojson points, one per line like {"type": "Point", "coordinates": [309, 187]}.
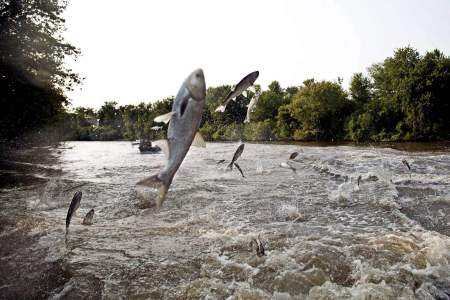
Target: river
{"type": "Point", "coordinates": [324, 236]}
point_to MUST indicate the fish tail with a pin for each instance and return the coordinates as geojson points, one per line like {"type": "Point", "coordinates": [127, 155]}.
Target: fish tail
{"type": "Point", "coordinates": [156, 183]}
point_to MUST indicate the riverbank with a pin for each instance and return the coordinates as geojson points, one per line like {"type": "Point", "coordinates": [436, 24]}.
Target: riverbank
{"type": "Point", "coordinates": [24, 271]}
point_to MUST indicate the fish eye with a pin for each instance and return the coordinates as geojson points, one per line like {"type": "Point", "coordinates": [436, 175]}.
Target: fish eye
{"type": "Point", "coordinates": [197, 75]}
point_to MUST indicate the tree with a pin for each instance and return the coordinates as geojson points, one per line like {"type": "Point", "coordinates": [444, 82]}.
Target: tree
{"type": "Point", "coordinates": [359, 126]}
{"type": "Point", "coordinates": [269, 102]}
{"type": "Point", "coordinates": [33, 76]}
{"type": "Point", "coordinates": [286, 124]}
{"type": "Point", "coordinates": [321, 108]}
{"type": "Point", "coordinates": [428, 107]}
{"type": "Point", "coordinates": [412, 90]}
{"type": "Point", "coordinates": [109, 115]}
{"type": "Point", "coordinates": [360, 90]}
{"type": "Point", "coordinates": [129, 118]}
{"type": "Point", "coordinates": [215, 123]}
{"type": "Point", "coordinates": [392, 87]}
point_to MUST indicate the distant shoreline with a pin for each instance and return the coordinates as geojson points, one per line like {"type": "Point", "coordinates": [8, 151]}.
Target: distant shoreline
{"type": "Point", "coordinates": [397, 145]}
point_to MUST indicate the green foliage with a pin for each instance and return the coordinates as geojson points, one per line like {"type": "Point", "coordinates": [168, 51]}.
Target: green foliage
{"type": "Point", "coordinates": [232, 132]}
{"type": "Point", "coordinates": [321, 108]}
{"type": "Point", "coordinates": [235, 112]}
{"type": "Point", "coordinates": [269, 102]}
{"type": "Point", "coordinates": [360, 90]}
{"type": "Point", "coordinates": [406, 98]}
{"type": "Point", "coordinates": [33, 76]}
{"type": "Point", "coordinates": [259, 131]}
{"type": "Point", "coordinates": [286, 124]}
{"type": "Point", "coordinates": [207, 131]}
{"type": "Point", "coordinates": [110, 122]}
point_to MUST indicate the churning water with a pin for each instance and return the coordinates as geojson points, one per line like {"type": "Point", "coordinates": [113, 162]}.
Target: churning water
{"type": "Point", "coordinates": [325, 237]}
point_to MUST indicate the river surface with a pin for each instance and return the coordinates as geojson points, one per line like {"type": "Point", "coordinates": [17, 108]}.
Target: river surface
{"type": "Point", "coordinates": [324, 236]}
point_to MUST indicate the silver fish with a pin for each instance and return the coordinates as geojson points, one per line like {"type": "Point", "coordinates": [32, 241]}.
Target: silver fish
{"type": "Point", "coordinates": [185, 120]}
{"type": "Point", "coordinates": [293, 155]}
{"type": "Point", "coordinates": [236, 155]}
{"type": "Point", "coordinates": [221, 161]}
{"type": "Point", "coordinates": [74, 205]}
{"type": "Point", "coordinates": [405, 162]}
{"type": "Point", "coordinates": [88, 219]}
{"type": "Point", "coordinates": [251, 106]}
{"type": "Point", "coordinates": [243, 85]}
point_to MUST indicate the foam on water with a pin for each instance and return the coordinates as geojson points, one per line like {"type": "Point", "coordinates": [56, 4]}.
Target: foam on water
{"type": "Point", "coordinates": [324, 237]}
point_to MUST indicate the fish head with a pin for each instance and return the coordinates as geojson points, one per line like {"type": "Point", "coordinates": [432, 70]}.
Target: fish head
{"type": "Point", "coordinates": [251, 78]}
{"type": "Point", "coordinates": [195, 83]}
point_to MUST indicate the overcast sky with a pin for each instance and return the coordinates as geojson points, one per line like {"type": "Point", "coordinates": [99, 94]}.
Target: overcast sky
{"type": "Point", "coordinates": [139, 50]}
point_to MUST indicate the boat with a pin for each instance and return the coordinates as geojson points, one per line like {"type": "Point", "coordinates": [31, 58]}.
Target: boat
{"type": "Point", "coordinates": [145, 147]}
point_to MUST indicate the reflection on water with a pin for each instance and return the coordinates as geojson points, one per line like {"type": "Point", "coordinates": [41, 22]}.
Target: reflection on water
{"type": "Point", "coordinates": [325, 237]}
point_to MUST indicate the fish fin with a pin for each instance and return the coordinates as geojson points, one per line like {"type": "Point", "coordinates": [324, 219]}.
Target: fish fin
{"type": "Point", "coordinates": [221, 108]}
{"type": "Point", "coordinates": [164, 145]}
{"type": "Point", "coordinates": [156, 183]}
{"type": "Point", "coordinates": [240, 170]}
{"type": "Point", "coordinates": [198, 140]}
{"type": "Point", "coordinates": [164, 118]}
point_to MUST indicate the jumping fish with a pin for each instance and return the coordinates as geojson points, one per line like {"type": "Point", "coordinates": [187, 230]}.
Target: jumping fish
{"type": "Point", "coordinates": [293, 155]}
{"type": "Point", "coordinates": [243, 85]}
{"type": "Point", "coordinates": [288, 164]}
{"type": "Point", "coordinates": [74, 205]}
{"type": "Point", "coordinates": [88, 219]}
{"type": "Point", "coordinates": [405, 162]}
{"type": "Point", "coordinates": [236, 155]}
{"type": "Point", "coordinates": [184, 120]}
{"type": "Point", "coordinates": [251, 106]}
{"type": "Point", "coordinates": [221, 161]}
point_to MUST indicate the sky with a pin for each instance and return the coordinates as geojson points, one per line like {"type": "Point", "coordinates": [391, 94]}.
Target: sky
{"type": "Point", "coordinates": [141, 51]}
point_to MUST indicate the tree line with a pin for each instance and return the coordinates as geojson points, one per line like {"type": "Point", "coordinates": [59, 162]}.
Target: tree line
{"type": "Point", "coordinates": [33, 75]}
{"type": "Point", "coordinates": [404, 98]}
